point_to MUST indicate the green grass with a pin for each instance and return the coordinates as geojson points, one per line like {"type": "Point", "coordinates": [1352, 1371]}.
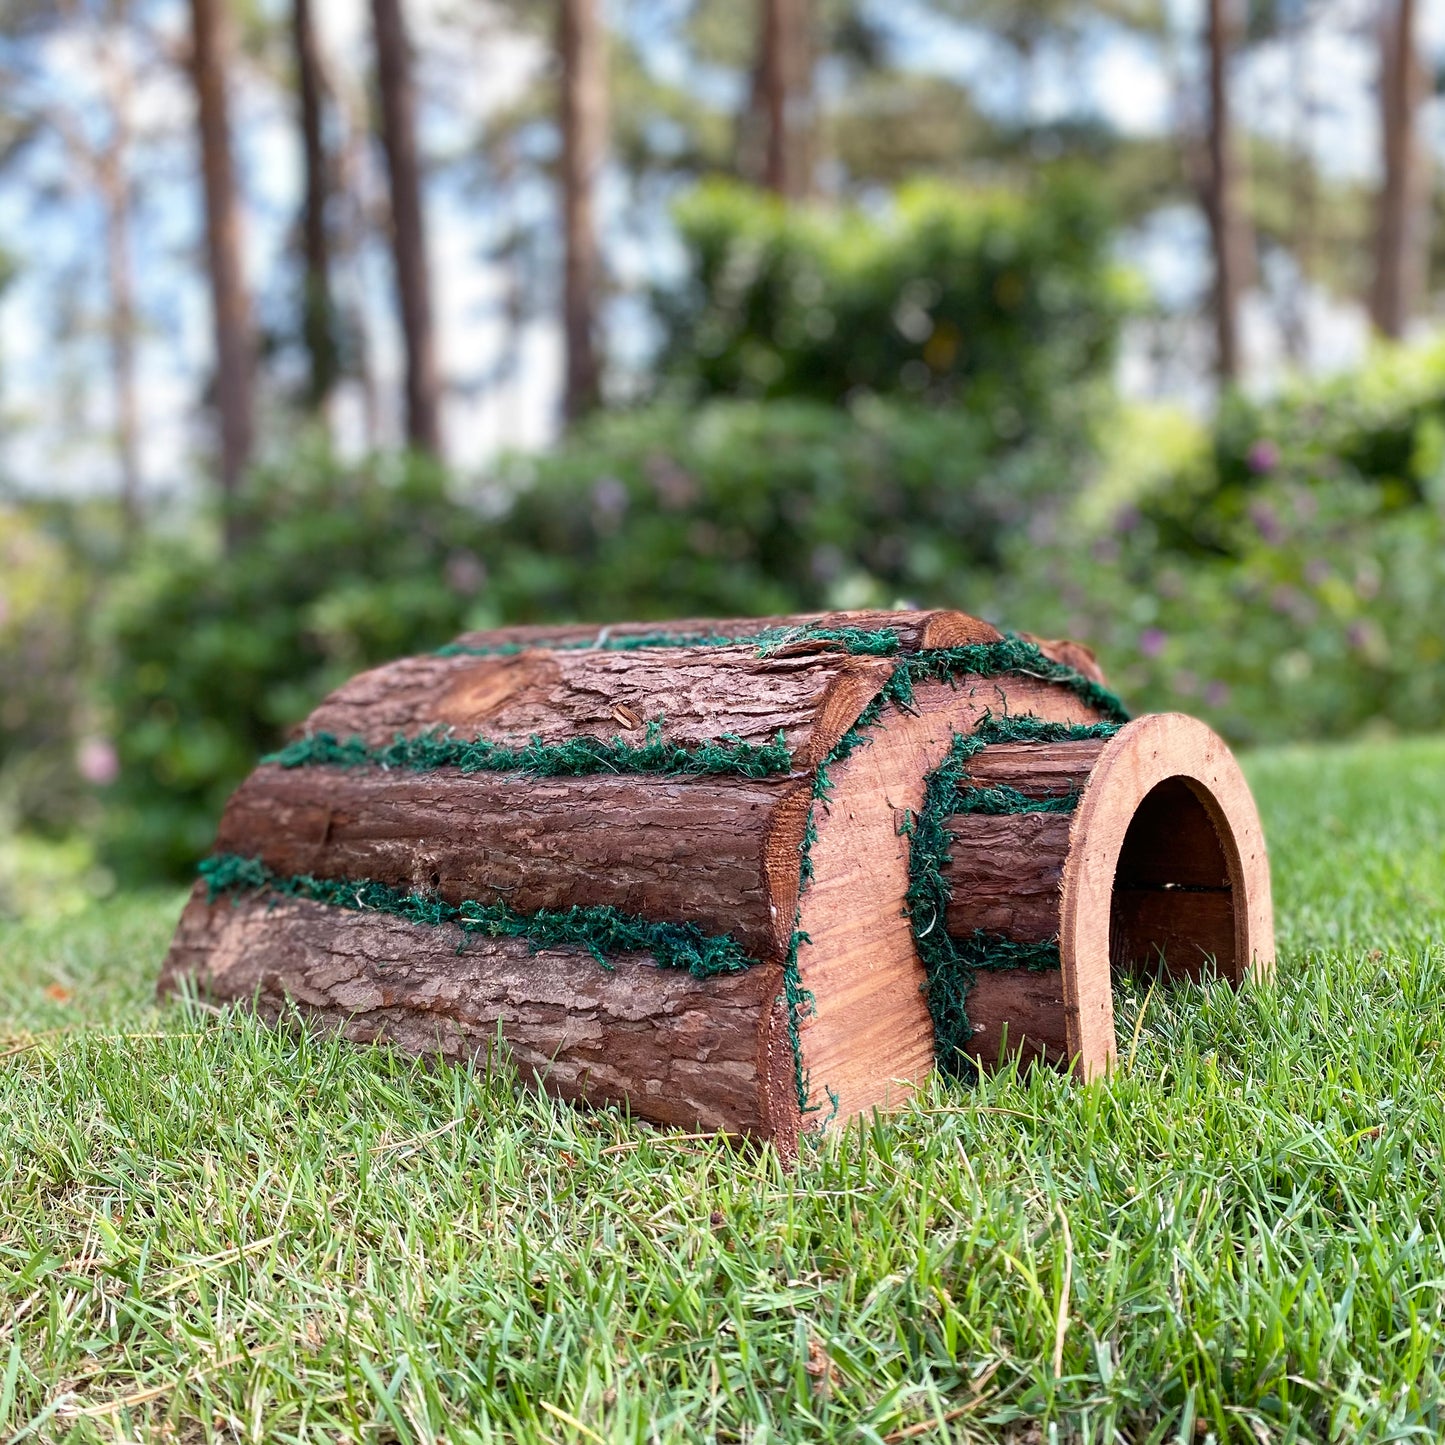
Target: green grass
{"type": "Point", "coordinates": [209, 1231]}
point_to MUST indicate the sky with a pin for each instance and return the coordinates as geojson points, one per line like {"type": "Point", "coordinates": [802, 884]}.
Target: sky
{"type": "Point", "coordinates": [503, 384]}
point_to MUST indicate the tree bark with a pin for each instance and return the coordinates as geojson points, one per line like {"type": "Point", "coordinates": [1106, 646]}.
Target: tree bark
{"type": "Point", "coordinates": [1402, 215]}
{"type": "Point", "coordinates": [235, 349]}
{"type": "Point", "coordinates": [787, 69]}
{"type": "Point", "coordinates": [413, 276]}
{"type": "Point", "coordinates": [914, 630]}
{"type": "Point", "coordinates": [709, 1053]}
{"type": "Point", "coordinates": [1222, 200]}
{"type": "Point", "coordinates": [318, 312]}
{"type": "Point", "coordinates": [583, 49]}
{"type": "Point", "coordinates": [695, 695]}
{"type": "Point", "coordinates": [114, 179]}
{"type": "Point", "coordinates": [721, 852]}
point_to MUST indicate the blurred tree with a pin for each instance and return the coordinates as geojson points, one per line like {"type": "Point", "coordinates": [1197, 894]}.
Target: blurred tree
{"type": "Point", "coordinates": [582, 50]}
{"type": "Point", "coordinates": [1222, 194]}
{"type": "Point", "coordinates": [319, 321]}
{"type": "Point", "coordinates": [785, 71]}
{"type": "Point", "coordinates": [231, 305]}
{"type": "Point", "coordinates": [1402, 241]}
{"type": "Point", "coordinates": [95, 130]}
{"type": "Point", "coordinates": [408, 229]}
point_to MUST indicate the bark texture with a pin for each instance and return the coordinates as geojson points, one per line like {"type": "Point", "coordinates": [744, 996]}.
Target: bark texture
{"type": "Point", "coordinates": [1226, 227]}
{"type": "Point", "coordinates": [231, 307]}
{"type": "Point", "coordinates": [1402, 219]}
{"type": "Point", "coordinates": [719, 852]}
{"type": "Point", "coordinates": [113, 174]}
{"type": "Point", "coordinates": [694, 694]}
{"type": "Point", "coordinates": [914, 630]}
{"type": "Point", "coordinates": [582, 47]}
{"type": "Point", "coordinates": [408, 229]}
{"type": "Point", "coordinates": [676, 1049]}
{"type": "Point", "coordinates": [318, 313]}
{"type": "Point", "coordinates": [787, 68]}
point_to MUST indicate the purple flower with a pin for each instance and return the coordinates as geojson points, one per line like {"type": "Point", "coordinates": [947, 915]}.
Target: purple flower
{"type": "Point", "coordinates": [1266, 523]}
{"type": "Point", "coordinates": [1316, 571]}
{"type": "Point", "coordinates": [1263, 457]}
{"type": "Point", "coordinates": [1152, 641]}
{"type": "Point", "coordinates": [1216, 694]}
{"type": "Point", "coordinates": [97, 762]}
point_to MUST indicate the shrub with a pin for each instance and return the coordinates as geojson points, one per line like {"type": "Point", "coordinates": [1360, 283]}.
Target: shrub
{"type": "Point", "coordinates": [1001, 303]}
{"type": "Point", "coordinates": [733, 508]}
{"type": "Point", "coordinates": [214, 658]}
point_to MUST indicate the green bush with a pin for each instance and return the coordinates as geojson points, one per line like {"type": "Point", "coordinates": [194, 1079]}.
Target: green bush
{"type": "Point", "coordinates": [732, 508]}
{"type": "Point", "coordinates": [1381, 428]}
{"type": "Point", "coordinates": [1319, 617]}
{"type": "Point", "coordinates": [1000, 303]}
{"type": "Point", "coordinates": [214, 658]}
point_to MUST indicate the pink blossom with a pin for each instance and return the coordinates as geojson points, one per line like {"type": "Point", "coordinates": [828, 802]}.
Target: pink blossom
{"type": "Point", "coordinates": [97, 762]}
{"type": "Point", "coordinates": [1152, 641]}
{"type": "Point", "coordinates": [1263, 457]}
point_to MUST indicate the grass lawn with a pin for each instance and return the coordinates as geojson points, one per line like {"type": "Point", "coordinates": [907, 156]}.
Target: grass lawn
{"type": "Point", "coordinates": [211, 1231]}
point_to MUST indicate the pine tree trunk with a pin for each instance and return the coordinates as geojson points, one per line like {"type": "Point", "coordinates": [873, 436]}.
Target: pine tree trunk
{"type": "Point", "coordinates": [787, 65]}
{"type": "Point", "coordinates": [413, 277]}
{"type": "Point", "coordinates": [319, 320]}
{"type": "Point", "coordinates": [235, 353]}
{"type": "Point", "coordinates": [582, 46]}
{"type": "Point", "coordinates": [1222, 196]}
{"type": "Point", "coordinates": [1402, 218]}
{"type": "Point", "coordinates": [114, 178]}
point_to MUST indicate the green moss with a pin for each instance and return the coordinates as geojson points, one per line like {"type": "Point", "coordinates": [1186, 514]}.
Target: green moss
{"type": "Point", "coordinates": [951, 964]}
{"type": "Point", "coordinates": [880, 642]}
{"type": "Point", "coordinates": [602, 931]}
{"type": "Point", "coordinates": [1001, 800]}
{"type": "Point", "coordinates": [577, 757]}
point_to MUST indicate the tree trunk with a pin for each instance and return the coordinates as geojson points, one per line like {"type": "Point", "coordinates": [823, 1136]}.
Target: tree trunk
{"type": "Point", "coordinates": [114, 178]}
{"type": "Point", "coordinates": [1222, 204]}
{"type": "Point", "coordinates": [1402, 218]}
{"type": "Point", "coordinates": [319, 317]}
{"type": "Point", "coordinates": [582, 45]}
{"type": "Point", "coordinates": [235, 352]}
{"type": "Point", "coordinates": [413, 276]}
{"type": "Point", "coordinates": [787, 69]}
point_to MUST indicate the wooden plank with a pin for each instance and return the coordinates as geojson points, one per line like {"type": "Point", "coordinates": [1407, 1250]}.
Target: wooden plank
{"type": "Point", "coordinates": [1006, 873]}
{"type": "Point", "coordinates": [1018, 1012]}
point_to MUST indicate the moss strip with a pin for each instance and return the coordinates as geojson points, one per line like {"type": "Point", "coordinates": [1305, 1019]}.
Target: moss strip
{"type": "Point", "coordinates": [600, 930]}
{"type": "Point", "coordinates": [951, 964]}
{"type": "Point", "coordinates": [880, 642]}
{"type": "Point", "coordinates": [577, 757]}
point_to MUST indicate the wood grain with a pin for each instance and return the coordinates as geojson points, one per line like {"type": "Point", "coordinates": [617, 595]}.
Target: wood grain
{"type": "Point", "coordinates": [871, 1040]}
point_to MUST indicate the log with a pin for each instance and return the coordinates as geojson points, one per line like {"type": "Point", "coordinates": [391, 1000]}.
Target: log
{"type": "Point", "coordinates": [714, 937]}
{"type": "Point", "coordinates": [691, 695]}
{"type": "Point", "coordinates": [542, 842]}
{"type": "Point", "coordinates": [1161, 865]}
{"type": "Point", "coordinates": [679, 1050]}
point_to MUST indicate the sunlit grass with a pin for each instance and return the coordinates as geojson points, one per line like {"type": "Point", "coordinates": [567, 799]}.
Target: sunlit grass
{"type": "Point", "coordinates": [209, 1230]}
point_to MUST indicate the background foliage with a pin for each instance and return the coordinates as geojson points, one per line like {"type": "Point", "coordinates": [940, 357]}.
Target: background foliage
{"type": "Point", "coordinates": [1281, 573]}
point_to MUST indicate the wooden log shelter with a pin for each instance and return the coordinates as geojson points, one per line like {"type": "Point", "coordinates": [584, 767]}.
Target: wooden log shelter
{"type": "Point", "coordinates": [755, 875]}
